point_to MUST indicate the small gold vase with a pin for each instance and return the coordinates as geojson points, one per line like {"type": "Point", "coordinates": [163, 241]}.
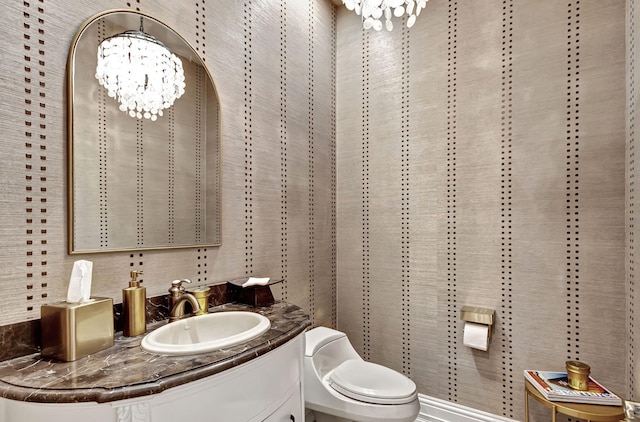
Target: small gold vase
{"type": "Point", "coordinates": [578, 374]}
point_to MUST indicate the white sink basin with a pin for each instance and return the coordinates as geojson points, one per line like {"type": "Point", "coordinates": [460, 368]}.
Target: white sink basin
{"type": "Point", "coordinates": [205, 333]}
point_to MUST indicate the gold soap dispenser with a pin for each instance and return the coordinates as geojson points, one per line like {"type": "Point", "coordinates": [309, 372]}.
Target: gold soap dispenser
{"type": "Point", "coordinates": [134, 299]}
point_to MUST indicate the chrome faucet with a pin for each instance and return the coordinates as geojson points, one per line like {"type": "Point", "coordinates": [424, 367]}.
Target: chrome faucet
{"type": "Point", "coordinates": [177, 298]}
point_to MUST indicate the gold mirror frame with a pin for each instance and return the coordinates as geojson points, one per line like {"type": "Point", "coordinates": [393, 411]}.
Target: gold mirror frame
{"type": "Point", "coordinates": [182, 224]}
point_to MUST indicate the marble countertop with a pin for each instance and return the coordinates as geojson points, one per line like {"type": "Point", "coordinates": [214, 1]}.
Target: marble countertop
{"type": "Point", "coordinates": [125, 371]}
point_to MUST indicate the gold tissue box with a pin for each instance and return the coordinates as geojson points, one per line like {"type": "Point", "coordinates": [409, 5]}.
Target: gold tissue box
{"type": "Point", "coordinates": [71, 331]}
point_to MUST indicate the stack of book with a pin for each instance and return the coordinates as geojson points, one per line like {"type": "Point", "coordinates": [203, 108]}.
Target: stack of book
{"type": "Point", "coordinates": [554, 386]}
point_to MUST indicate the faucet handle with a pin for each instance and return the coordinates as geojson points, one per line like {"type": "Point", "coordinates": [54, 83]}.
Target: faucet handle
{"type": "Point", "coordinates": [179, 282]}
{"type": "Point", "coordinates": [177, 287]}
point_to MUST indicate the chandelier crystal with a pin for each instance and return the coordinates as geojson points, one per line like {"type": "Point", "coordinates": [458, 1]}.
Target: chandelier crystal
{"type": "Point", "coordinates": [140, 72]}
{"type": "Point", "coordinates": [373, 10]}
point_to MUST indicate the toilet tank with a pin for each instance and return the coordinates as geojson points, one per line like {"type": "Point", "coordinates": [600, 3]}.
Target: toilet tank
{"type": "Point", "coordinates": [326, 348]}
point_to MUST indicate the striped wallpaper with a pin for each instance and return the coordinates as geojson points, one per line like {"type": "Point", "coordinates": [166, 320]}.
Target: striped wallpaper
{"type": "Point", "coordinates": [274, 67]}
{"type": "Point", "coordinates": [477, 158]}
{"type": "Point", "coordinates": [481, 162]}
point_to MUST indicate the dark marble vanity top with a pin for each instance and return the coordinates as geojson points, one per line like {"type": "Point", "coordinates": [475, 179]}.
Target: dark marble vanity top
{"type": "Point", "coordinates": [126, 371]}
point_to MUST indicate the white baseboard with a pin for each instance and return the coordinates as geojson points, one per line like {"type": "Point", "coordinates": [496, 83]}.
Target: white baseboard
{"type": "Point", "coordinates": [436, 410]}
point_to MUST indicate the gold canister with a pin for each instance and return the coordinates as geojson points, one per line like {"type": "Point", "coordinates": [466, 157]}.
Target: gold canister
{"type": "Point", "coordinates": [202, 296]}
{"type": "Point", "coordinates": [578, 374]}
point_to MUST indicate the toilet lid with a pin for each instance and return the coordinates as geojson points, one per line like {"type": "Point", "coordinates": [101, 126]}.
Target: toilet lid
{"type": "Point", "coordinates": [372, 383]}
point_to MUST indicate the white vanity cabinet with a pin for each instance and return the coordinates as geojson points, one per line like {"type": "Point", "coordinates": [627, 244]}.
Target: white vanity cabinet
{"type": "Point", "coordinates": [267, 388]}
{"type": "Point", "coordinates": [290, 411]}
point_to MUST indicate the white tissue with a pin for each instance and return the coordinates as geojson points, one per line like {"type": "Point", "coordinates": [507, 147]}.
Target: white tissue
{"type": "Point", "coordinates": [80, 282]}
{"type": "Point", "coordinates": [256, 281]}
{"type": "Point", "coordinates": [476, 336]}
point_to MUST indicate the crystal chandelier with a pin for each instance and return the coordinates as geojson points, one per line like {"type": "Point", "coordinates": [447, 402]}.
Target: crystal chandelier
{"type": "Point", "coordinates": [372, 11]}
{"type": "Point", "coordinates": [140, 72]}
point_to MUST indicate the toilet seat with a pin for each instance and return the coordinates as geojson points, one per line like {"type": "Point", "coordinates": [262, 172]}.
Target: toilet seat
{"type": "Point", "coordinates": [372, 383]}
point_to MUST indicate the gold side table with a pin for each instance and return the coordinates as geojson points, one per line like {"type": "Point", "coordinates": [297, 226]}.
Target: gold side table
{"type": "Point", "coordinates": [590, 412]}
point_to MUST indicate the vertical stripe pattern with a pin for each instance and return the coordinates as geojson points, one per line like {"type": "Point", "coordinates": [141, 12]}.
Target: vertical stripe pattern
{"type": "Point", "coordinates": [405, 139]}
{"type": "Point", "coordinates": [35, 155]}
{"type": "Point", "coordinates": [452, 300]}
{"type": "Point", "coordinates": [284, 198]}
{"type": "Point", "coordinates": [248, 138]}
{"type": "Point", "coordinates": [366, 278]}
{"type": "Point", "coordinates": [631, 202]}
{"type": "Point", "coordinates": [572, 170]}
{"type": "Point", "coordinates": [334, 252]}
{"type": "Point", "coordinates": [506, 134]}
{"type": "Point", "coordinates": [311, 140]}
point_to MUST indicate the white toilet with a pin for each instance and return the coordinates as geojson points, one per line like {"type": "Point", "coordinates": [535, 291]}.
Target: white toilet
{"type": "Point", "coordinates": [340, 386]}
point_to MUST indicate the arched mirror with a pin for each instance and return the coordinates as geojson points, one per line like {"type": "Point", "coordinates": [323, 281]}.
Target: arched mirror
{"type": "Point", "coordinates": [146, 179]}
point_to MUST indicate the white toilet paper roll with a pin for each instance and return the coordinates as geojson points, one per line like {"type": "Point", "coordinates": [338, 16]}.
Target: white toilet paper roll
{"type": "Point", "coordinates": [476, 335]}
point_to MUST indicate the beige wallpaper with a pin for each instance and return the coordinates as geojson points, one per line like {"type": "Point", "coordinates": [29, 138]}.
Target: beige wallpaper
{"type": "Point", "coordinates": [273, 63]}
{"type": "Point", "coordinates": [481, 161]}
{"type": "Point", "coordinates": [484, 165]}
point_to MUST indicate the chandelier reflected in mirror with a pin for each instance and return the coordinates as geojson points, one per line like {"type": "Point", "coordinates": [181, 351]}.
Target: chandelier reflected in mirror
{"type": "Point", "coordinates": [140, 72]}
{"type": "Point", "coordinates": [373, 10]}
